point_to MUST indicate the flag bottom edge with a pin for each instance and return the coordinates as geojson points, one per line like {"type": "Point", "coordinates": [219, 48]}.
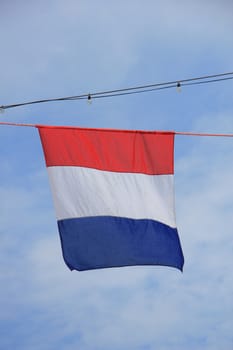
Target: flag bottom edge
{"type": "Point", "coordinates": [98, 242]}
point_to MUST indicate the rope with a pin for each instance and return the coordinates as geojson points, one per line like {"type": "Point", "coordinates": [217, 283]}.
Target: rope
{"type": "Point", "coordinates": [187, 133]}
{"type": "Point", "coordinates": [184, 133]}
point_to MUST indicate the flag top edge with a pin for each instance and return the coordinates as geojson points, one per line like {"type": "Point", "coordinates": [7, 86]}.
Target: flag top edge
{"type": "Point", "coordinates": [163, 132]}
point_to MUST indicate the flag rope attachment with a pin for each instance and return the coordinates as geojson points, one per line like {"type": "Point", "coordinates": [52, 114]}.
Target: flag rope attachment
{"type": "Point", "coordinates": [182, 133]}
{"type": "Point", "coordinates": [132, 90]}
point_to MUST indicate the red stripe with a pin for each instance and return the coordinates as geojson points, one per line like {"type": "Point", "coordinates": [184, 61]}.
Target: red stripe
{"type": "Point", "coordinates": [106, 149]}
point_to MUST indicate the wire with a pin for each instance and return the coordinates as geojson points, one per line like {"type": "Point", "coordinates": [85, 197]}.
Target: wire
{"type": "Point", "coordinates": [17, 124]}
{"type": "Point", "coordinates": [158, 88]}
{"type": "Point", "coordinates": [184, 133]}
{"type": "Point", "coordinates": [132, 90]}
{"type": "Point", "coordinates": [188, 133]}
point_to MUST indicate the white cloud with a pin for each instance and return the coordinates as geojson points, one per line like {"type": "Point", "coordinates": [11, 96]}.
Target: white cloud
{"type": "Point", "coordinates": [78, 46]}
{"type": "Point", "coordinates": [56, 47]}
{"type": "Point", "coordinates": [126, 307]}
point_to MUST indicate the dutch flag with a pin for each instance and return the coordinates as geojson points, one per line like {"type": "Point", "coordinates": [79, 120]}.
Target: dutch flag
{"type": "Point", "coordinates": [113, 193]}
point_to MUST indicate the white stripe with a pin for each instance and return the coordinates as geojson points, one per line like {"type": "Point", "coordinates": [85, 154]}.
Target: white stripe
{"type": "Point", "coordinates": [79, 192]}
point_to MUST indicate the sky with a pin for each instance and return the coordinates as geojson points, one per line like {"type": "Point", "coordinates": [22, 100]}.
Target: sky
{"type": "Point", "coordinates": [63, 48]}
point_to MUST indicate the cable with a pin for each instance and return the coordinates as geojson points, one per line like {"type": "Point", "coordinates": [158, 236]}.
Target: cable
{"type": "Point", "coordinates": [132, 90]}
{"type": "Point", "coordinates": [17, 124]}
{"type": "Point", "coordinates": [188, 133]}
{"type": "Point", "coordinates": [178, 84]}
{"type": "Point", "coordinates": [184, 133]}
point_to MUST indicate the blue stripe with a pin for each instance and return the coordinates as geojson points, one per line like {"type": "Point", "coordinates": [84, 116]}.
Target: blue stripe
{"type": "Point", "coordinates": [106, 241]}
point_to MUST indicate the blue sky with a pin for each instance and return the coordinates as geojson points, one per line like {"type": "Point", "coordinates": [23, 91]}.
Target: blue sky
{"type": "Point", "coordinates": [62, 48]}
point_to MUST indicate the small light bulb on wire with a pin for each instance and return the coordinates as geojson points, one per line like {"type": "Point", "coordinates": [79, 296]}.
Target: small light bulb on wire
{"type": "Point", "coordinates": [178, 87]}
{"type": "Point", "coordinates": [89, 100]}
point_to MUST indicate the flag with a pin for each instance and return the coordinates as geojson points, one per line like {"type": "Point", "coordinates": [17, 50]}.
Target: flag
{"type": "Point", "coordinates": [113, 195]}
